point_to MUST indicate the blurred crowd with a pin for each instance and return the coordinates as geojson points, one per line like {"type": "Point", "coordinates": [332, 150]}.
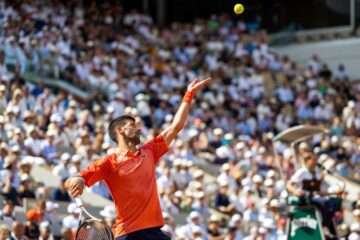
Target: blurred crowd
{"type": "Point", "coordinates": [136, 68]}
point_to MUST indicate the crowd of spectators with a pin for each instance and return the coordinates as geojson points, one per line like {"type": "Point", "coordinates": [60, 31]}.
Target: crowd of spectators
{"type": "Point", "coordinates": [139, 69]}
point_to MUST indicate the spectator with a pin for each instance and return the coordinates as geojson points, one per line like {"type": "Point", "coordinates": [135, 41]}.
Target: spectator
{"type": "Point", "coordinates": [222, 202]}
{"type": "Point", "coordinates": [213, 230]}
{"type": "Point", "coordinates": [61, 194]}
{"type": "Point", "coordinates": [4, 232]}
{"type": "Point", "coordinates": [7, 216]}
{"type": "Point", "coordinates": [109, 215]}
{"type": "Point", "coordinates": [9, 179]}
{"type": "Point", "coordinates": [72, 220]}
{"type": "Point", "coordinates": [18, 231]}
{"type": "Point", "coordinates": [45, 231]}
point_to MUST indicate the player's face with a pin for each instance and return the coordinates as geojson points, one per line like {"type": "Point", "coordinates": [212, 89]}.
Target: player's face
{"type": "Point", "coordinates": [131, 132]}
{"type": "Point", "coordinates": [311, 162]}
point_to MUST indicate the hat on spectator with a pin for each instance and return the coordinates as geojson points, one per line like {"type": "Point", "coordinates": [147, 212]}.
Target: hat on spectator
{"type": "Point", "coordinates": [65, 156]}
{"type": "Point", "coordinates": [354, 236]}
{"type": "Point", "coordinates": [83, 133]}
{"type": "Point", "coordinates": [17, 131]}
{"type": "Point", "coordinates": [189, 163]}
{"type": "Point", "coordinates": [8, 161]}
{"type": "Point", "coordinates": [108, 212]}
{"type": "Point", "coordinates": [235, 218]}
{"type": "Point", "coordinates": [214, 218]}
{"type": "Point", "coordinates": [26, 161]}
{"type": "Point", "coordinates": [262, 230]}
{"type": "Point", "coordinates": [141, 97]}
{"type": "Point", "coordinates": [198, 185]}
{"type": "Point", "coordinates": [168, 117]}
{"type": "Point", "coordinates": [257, 178]}
{"type": "Point", "coordinates": [223, 183]}
{"type": "Point", "coordinates": [194, 214]}
{"type": "Point", "coordinates": [72, 104]}
{"type": "Point", "coordinates": [268, 182]}
{"type": "Point", "coordinates": [246, 182]}
{"type": "Point", "coordinates": [15, 149]}
{"type": "Point", "coordinates": [51, 133]}
{"type": "Point", "coordinates": [351, 103]}
{"type": "Point", "coordinates": [262, 150]}
{"type": "Point", "coordinates": [177, 162]}
{"type": "Point", "coordinates": [4, 78]}
{"type": "Point", "coordinates": [271, 173]}
{"type": "Point", "coordinates": [178, 194]}
{"type": "Point", "coordinates": [30, 130]}
{"type": "Point", "coordinates": [105, 146]}
{"type": "Point", "coordinates": [250, 203]}
{"type": "Point", "coordinates": [198, 173]}
{"type": "Point", "coordinates": [218, 131]}
{"type": "Point", "coordinates": [334, 139]}
{"type": "Point", "coordinates": [4, 146]}
{"type": "Point", "coordinates": [73, 208]}
{"type": "Point", "coordinates": [282, 221]}
{"type": "Point", "coordinates": [44, 225]}
{"type": "Point", "coordinates": [304, 146]}
{"type": "Point", "coordinates": [32, 214]}
{"type": "Point", "coordinates": [119, 95]}
{"type": "Point", "coordinates": [248, 154]}
{"type": "Point", "coordinates": [76, 158]}
{"type": "Point", "coordinates": [247, 189]}
{"type": "Point", "coordinates": [110, 109]}
{"type": "Point", "coordinates": [265, 201]}
{"type": "Point", "coordinates": [274, 203]}
{"type": "Point", "coordinates": [240, 146]}
{"type": "Point", "coordinates": [225, 167]}
{"type": "Point", "coordinates": [51, 206]}
{"type": "Point", "coordinates": [27, 114]}
{"type": "Point", "coordinates": [287, 153]}
{"type": "Point", "coordinates": [17, 92]}
{"type": "Point", "coordinates": [228, 136]}
{"type": "Point", "coordinates": [2, 119]}
{"type": "Point", "coordinates": [55, 117]}
{"type": "Point", "coordinates": [356, 212]}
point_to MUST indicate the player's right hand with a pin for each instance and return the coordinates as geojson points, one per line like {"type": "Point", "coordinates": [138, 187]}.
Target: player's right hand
{"type": "Point", "coordinates": [76, 186]}
{"type": "Point", "coordinates": [299, 193]}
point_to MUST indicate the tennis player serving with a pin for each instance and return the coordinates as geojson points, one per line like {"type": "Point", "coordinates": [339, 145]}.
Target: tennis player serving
{"type": "Point", "coordinates": [129, 173]}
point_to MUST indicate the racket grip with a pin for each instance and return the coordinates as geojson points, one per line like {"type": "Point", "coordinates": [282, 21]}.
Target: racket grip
{"type": "Point", "coordinates": [79, 202]}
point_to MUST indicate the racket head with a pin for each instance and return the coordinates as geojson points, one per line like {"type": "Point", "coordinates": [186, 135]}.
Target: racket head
{"type": "Point", "coordinates": [93, 229]}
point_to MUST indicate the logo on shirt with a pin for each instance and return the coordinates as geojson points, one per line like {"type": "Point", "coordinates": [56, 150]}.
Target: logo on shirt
{"type": "Point", "coordinates": [143, 155]}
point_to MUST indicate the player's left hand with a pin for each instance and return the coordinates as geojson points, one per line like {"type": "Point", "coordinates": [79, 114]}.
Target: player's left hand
{"type": "Point", "coordinates": [195, 85]}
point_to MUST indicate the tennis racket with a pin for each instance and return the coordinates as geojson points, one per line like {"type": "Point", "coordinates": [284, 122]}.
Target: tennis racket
{"type": "Point", "coordinates": [91, 228]}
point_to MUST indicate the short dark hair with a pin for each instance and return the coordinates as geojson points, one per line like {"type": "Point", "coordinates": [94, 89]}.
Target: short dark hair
{"type": "Point", "coordinates": [119, 121]}
{"type": "Point", "coordinates": [9, 202]}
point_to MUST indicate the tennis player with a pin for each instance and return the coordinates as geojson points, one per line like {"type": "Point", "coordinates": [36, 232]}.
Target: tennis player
{"type": "Point", "coordinates": [129, 173]}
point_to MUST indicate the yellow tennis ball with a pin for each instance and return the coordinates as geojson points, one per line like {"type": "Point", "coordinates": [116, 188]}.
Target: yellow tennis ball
{"type": "Point", "coordinates": [239, 8]}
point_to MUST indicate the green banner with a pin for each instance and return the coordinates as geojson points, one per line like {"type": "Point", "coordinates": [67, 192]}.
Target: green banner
{"type": "Point", "coordinates": [304, 223]}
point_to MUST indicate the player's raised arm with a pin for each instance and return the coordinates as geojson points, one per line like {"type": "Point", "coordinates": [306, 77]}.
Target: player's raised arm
{"type": "Point", "coordinates": [182, 114]}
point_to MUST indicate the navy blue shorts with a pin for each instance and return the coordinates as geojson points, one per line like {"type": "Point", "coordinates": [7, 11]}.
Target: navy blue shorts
{"type": "Point", "coordinates": [145, 234]}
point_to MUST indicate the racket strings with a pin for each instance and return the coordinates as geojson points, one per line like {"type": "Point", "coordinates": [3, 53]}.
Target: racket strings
{"type": "Point", "coordinates": [93, 230]}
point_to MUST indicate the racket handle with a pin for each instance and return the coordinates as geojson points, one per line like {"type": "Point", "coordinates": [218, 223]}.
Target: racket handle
{"type": "Point", "coordinates": [79, 203]}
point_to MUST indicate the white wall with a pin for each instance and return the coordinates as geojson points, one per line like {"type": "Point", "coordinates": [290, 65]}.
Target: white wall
{"type": "Point", "coordinates": [346, 51]}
